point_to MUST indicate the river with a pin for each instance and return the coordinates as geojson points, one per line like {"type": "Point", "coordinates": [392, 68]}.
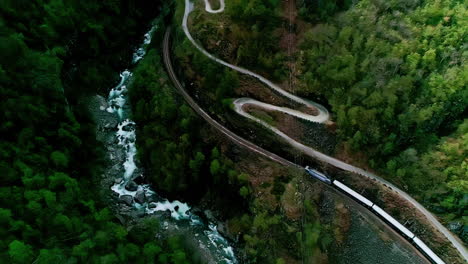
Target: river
{"type": "Point", "coordinates": [118, 132]}
{"type": "Point", "coordinates": [364, 242]}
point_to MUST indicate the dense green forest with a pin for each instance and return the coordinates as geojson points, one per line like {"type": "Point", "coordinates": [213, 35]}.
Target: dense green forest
{"type": "Point", "coordinates": [51, 53]}
{"type": "Point", "coordinates": [177, 148]}
{"type": "Point", "coordinates": [199, 170]}
{"type": "Point", "coordinates": [319, 10]}
{"type": "Point", "coordinates": [251, 39]}
{"type": "Point", "coordinates": [170, 136]}
{"type": "Point", "coordinates": [395, 74]}
{"type": "Point", "coordinates": [185, 159]}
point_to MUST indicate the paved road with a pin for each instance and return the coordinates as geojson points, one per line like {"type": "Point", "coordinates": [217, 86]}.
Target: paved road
{"type": "Point", "coordinates": [209, 9]}
{"type": "Point", "coordinates": [305, 149]}
{"type": "Point", "coordinates": [323, 112]}
{"type": "Point", "coordinates": [237, 139]}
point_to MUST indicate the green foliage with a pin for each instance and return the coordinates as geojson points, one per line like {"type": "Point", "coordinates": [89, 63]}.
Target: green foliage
{"type": "Point", "coordinates": [244, 192]}
{"type": "Point", "coordinates": [168, 140]}
{"type": "Point", "coordinates": [280, 261]}
{"type": "Point", "coordinates": [395, 74]}
{"type": "Point", "coordinates": [59, 159]}
{"type": "Point", "coordinates": [253, 43]}
{"type": "Point", "coordinates": [256, 13]}
{"type": "Point", "coordinates": [171, 139]}
{"type": "Point", "coordinates": [215, 167]}
{"type": "Point", "coordinates": [53, 52]}
{"type": "Point", "coordinates": [20, 252]}
{"type": "Point", "coordinates": [315, 10]}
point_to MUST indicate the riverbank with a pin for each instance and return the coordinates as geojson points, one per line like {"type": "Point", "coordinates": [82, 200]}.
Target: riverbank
{"type": "Point", "coordinates": [132, 197]}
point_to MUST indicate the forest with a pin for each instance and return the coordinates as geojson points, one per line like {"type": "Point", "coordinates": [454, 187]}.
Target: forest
{"type": "Point", "coordinates": [171, 138]}
{"type": "Point", "coordinates": [393, 74]}
{"type": "Point", "coordinates": [51, 54]}
{"type": "Point", "coordinates": [185, 157]}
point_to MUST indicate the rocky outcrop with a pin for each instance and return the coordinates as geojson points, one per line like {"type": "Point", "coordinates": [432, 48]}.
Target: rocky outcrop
{"type": "Point", "coordinates": [131, 186]}
{"type": "Point", "coordinates": [140, 197]}
{"type": "Point", "coordinates": [126, 199]}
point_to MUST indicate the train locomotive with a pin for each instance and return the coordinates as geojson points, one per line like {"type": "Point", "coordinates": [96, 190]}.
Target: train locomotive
{"type": "Point", "coordinates": [318, 175]}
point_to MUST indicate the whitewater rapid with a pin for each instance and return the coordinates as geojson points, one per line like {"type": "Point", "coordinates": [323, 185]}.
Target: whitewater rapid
{"type": "Point", "coordinates": [206, 234]}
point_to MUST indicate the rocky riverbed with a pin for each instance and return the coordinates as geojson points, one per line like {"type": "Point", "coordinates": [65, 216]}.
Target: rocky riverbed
{"type": "Point", "coordinates": [124, 185]}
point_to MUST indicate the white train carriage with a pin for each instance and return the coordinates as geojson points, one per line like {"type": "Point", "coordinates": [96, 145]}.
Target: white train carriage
{"type": "Point", "coordinates": [393, 221]}
{"type": "Point", "coordinates": [424, 248]}
{"type": "Point", "coordinates": [354, 194]}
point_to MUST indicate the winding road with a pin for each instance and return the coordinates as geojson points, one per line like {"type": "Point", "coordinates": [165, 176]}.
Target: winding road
{"type": "Point", "coordinates": [209, 9]}
{"type": "Point", "coordinates": [237, 139]}
{"type": "Point", "coordinates": [322, 117]}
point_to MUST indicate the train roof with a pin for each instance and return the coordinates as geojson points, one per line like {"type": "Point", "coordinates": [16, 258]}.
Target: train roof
{"type": "Point", "coordinates": [353, 193]}
{"type": "Point", "coordinates": [428, 251]}
{"type": "Point", "coordinates": [393, 221]}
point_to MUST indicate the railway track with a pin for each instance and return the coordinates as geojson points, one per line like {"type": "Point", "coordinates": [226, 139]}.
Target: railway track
{"type": "Point", "coordinates": [321, 117]}
{"type": "Point", "coordinates": [234, 137]}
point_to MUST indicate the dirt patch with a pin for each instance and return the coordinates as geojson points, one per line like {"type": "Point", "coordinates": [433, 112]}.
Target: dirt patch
{"type": "Point", "coordinates": [309, 110]}
{"type": "Point", "coordinates": [290, 201]}
{"type": "Point", "coordinates": [285, 123]}
{"type": "Point", "coordinates": [317, 136]}
{"type": "Point", "coordinates": [260, 113]}
{"type": "Point", "coordinates": [251, 87]}
{"type": "Point", "coordinates": [343, 222]}
{"type": "Point", "coordinates": [262, 176]}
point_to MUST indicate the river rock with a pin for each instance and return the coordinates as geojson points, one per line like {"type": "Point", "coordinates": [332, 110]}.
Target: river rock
{"type": "Point", "coordinates": [196, 211]}
{"type": "Point", "coordinates": [165, 214]}
{"type": "Point", "coordinates": [127, 199]}
{"type": "Point", "coordinates": [131, 186]}
{"type": "Point", "coordinates": [140, 196]}
{"type": "Point", "coordinates": [152, 205]}
{"type": "Point", "coordinates": [223, 230]}
{"type": "Point", "coordinates": [129, 127]}
{"type": "Point", "coordinates": [139, 179]}
{"type": "Point", "coordinates": [118, 180]}
{"type": "Point", "coordinates": [209, 216]}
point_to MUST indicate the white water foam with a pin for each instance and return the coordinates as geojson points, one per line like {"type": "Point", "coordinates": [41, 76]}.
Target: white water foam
{"type": "Point", "coordinates": [178, 209]}
{"type": "Point", "coordinates": [126, 138]}
{"type": "Point", "coordinates": [141, 51]}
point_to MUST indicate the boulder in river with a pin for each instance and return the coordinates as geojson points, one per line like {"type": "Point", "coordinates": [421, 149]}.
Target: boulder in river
{"type": "Point", "coordinates": [127, 199]}
{"type": "Point", "coordinates": [140, 197]}
{"type": "Point", "coordinates": [209, 216]}
{"type": "Point", "coordinates": [196, 211]}
{"type": "Point", "coordinates": [223, 230]}
{"type": "Point", "coordinates": [139, 179]}
{"type": "Point", "coordinates": [131, 186]}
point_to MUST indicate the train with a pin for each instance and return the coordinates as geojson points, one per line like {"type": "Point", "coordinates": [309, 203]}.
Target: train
{"type": "Point", "coordinates": [381, 213]}
{"type": "Point", "coordinates": [318, 175]}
